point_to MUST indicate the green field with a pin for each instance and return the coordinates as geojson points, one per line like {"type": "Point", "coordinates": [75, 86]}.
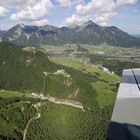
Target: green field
{"type": "Point", "coordinates": [8, 94]}
{"type": "Point", "coordinates": [105, 86]}
{"type": "Point", "coordinates": [91, 48]}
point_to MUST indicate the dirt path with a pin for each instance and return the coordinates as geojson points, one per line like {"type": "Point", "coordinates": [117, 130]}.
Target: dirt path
{"type": "Point", "coordinates": [30, 121]}
{"type": "Point", "coordinates": [58, 101]}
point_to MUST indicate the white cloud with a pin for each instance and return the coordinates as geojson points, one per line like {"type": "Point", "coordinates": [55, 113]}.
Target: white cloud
{"type": "Point", "coordinates": [69, 3]}
{"type": "Point", "coordinates": [125, 2]}
{"type": "Point", "coordinates": [76, 19]}
{"type": "Point", "coordinates": [100, 11]}
{"type": "Point", "coordinates": [17, 3]}
{"type": "Point", "coordinates": [33, 11]}
{"type": "Point", "coordinates": [65, 3]}
{"type": "Point", "coordinates": [3, 11]}
{"type": "Point", "coordinates": [28, 10]}
{"type": "Point", "coordinates": [40, 22]}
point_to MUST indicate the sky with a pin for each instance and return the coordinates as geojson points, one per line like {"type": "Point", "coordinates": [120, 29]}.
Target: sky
{"type": "Point", "coordinates": [125, 14]}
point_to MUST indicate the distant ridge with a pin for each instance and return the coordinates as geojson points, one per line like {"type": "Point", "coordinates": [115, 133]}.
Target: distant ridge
{"type": "Point", "coordinates": [136, 35]}
{"type": "Point", "coordinates": [2, 32]}
{"type": "Point", "coordinates": [88, 33]}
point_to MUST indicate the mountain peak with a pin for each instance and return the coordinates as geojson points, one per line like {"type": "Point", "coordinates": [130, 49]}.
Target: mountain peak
{"type": "Point", "coordinates": [20, 25]}
{"type": "Point", "coordinates": [49, 27]}
{"type": "Point", "coordinates": [90, 23]}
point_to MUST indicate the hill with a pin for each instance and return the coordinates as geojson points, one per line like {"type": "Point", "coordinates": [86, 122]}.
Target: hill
{"type": "Point", "coordinates": [88, 33]}
{"type": "Point", "coordinates": [24, 69]}
{"type": "Point", "coordinates": [28, 71]}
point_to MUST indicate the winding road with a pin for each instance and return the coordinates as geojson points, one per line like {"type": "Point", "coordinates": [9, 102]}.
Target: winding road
{"type": "Point", "coordinates": [29, 122]}
{"type": "Point", "coordinates": [58, 101]}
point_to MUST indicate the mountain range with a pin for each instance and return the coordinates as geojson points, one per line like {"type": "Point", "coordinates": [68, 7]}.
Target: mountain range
{"type": "Point", "coordinates": [87, 33]}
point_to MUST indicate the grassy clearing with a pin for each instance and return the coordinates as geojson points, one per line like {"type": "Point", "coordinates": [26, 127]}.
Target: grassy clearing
{"type": "Point", "coordinates": [105, 94]}
{"type": "Point", "coordinates": [91, 68]}
{"type": "Point", "coordinates": [105, 86]}
{"type": "Point", "coordinates": [8, 94]}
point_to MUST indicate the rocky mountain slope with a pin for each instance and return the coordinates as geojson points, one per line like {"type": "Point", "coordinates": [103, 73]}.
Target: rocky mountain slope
{"type": "Point", "coordinates": [88, 33]}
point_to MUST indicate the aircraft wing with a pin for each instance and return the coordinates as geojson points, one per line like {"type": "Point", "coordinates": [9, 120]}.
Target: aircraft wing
{"type": "Point", "coordinates": [125, 121]}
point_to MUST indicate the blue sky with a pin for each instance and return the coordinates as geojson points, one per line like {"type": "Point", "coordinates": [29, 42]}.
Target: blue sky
{"type": "Point", "coordinates": [124, 14]}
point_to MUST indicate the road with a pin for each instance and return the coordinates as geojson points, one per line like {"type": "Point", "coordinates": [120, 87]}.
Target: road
{"type": "Point", "coordinates": [29, 122]}
{"type": "Point", "coordinates": [58, 101]}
